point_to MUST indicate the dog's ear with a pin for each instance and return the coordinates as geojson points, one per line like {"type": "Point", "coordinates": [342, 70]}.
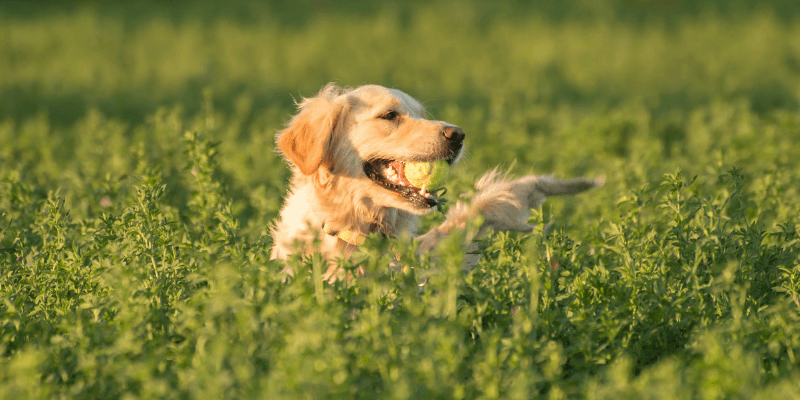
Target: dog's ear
{"type": "Point", "coordinates": [308, 136]}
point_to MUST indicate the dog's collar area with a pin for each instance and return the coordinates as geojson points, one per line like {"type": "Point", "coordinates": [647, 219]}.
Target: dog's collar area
{"type": "Point", "coordinates": [348, 236]}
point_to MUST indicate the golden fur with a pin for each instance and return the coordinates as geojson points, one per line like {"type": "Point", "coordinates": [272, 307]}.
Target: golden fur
{"type": "Point", "coordinates": [336, 132]}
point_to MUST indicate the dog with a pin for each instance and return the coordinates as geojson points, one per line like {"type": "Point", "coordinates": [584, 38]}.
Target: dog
{"type": "Point", "coordinates": [345, 148]}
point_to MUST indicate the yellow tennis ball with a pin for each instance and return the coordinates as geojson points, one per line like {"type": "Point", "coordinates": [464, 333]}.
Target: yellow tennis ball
{"type": "Point", "coordinates": [430, 173]}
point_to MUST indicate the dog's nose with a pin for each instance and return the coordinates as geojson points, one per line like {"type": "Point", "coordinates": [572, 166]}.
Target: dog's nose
{"type": "Point", "coordinates": [454, 135]}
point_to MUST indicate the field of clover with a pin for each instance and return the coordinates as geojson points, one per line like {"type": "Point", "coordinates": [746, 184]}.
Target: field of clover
{"type": "Point", "coordinates": [139, 180]}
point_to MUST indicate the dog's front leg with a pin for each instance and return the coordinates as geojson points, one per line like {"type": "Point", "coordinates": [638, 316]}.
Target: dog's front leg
{"type": "Point", "coordinates": [497, 201]}
{"type": "Point", "coordinates": [505, 206]}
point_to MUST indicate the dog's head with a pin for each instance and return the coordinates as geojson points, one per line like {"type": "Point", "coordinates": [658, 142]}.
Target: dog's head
{"type": "Point", "coordinates": [356, 143]}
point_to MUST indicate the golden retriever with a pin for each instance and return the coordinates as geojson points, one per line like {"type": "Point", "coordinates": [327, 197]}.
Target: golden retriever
{"type": "Point", "coordinates": [346, 147]}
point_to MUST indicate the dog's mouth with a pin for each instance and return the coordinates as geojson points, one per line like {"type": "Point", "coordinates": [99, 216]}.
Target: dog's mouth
{"type": "Point", "coordinates": [390, 174]}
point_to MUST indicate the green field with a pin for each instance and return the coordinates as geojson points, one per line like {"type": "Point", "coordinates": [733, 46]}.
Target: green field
{"type": "Point", "coordinates": [138, 182]}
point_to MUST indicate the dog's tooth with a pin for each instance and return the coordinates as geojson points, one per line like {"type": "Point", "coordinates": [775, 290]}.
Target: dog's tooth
{"type": "Point", "coordinates": [391, 174]}
{"type": "Point", "coordinates": [424, 190]}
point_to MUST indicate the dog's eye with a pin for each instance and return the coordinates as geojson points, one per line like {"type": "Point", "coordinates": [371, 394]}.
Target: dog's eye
{"type": "Point", "coordinates": [389, 115]}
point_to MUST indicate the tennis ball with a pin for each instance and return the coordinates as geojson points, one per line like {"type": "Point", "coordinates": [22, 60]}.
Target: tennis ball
{"type": "Point", "coordinates": [430, 173]}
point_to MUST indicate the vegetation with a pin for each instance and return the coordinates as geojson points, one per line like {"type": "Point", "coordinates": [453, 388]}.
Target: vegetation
{"type": "Point", "coordinates": [138, 181]}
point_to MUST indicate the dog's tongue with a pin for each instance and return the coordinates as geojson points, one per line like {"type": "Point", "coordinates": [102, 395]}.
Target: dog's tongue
{"type": "Point", "coordinates": [400, 167]}
{"type": "Point", "coordinates": [395, 172]}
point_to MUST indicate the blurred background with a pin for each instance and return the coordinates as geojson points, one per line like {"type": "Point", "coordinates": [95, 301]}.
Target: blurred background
{"type": "Point", "coordinates": [128, 58]}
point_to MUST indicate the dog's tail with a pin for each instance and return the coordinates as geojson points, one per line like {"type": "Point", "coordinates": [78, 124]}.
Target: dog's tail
{"type": "Point", "coordinates": [555, 187]}
{"type": "Point", "coordinates": [546, 185]}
